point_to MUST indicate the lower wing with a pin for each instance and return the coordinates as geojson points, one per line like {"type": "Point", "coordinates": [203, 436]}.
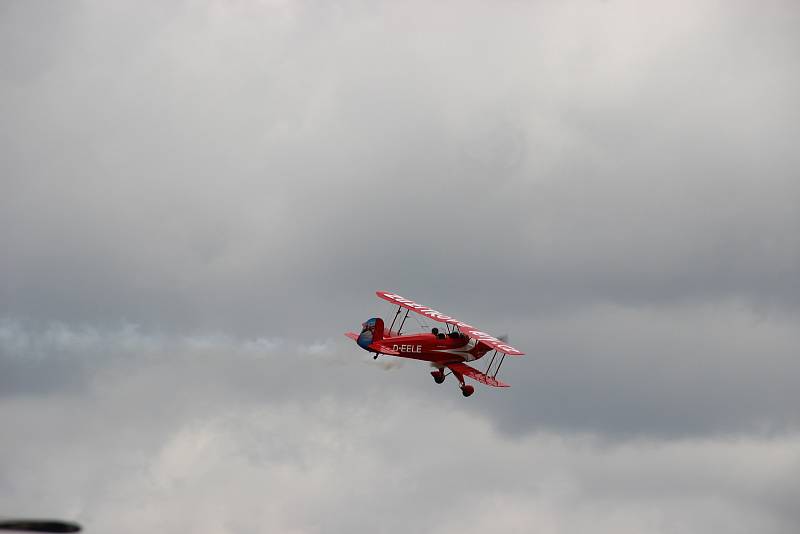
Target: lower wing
{"type": "Point", "coordinates": [474, 374]}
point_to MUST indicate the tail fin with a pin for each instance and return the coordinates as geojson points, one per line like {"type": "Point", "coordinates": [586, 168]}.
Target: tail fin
{"type": "Point", "coordinates": [372, 331]}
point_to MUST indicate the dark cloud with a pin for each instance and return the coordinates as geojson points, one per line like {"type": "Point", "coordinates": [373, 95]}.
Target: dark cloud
{"type": "Point", "coordinates": [223, 167]}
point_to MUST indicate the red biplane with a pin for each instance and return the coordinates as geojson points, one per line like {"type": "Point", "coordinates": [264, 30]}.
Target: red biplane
{"type": "Point", "coordinates": [459, 343]}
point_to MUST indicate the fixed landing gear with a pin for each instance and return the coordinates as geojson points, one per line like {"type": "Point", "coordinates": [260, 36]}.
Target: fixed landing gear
{"type": "Point", "coordinates": [466, 389]}
{"type": "Point", "coordinates": [438, 376]}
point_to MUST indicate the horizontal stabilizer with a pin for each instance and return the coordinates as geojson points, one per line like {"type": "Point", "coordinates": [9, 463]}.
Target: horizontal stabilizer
{"type": "Point", "coordinates": [476, 375]}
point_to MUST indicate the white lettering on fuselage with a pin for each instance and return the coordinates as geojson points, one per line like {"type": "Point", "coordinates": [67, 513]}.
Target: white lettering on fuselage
{"type": "Point", "coordinates": [407, 348]}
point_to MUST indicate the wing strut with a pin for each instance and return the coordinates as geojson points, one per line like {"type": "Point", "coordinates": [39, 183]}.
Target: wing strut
{"type": "Point", "coordinates": [395, 318]}
{"type": "Point", "coordinates": [489, 368]}
{"type": "Point", "coordinates": [498, 365]}
{"type": "Point", "coordinates": [399, 330]}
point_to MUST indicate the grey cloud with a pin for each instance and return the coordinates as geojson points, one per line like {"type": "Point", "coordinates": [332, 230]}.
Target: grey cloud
{"type": "Point", "coordinates": [683, 371]}
{"type": "Point", "coordinates": [718, 370]}
{"type": "Point", "coordinates": [196, 181]}
{"type": "Point", "coordinates": [259, 173]}
{"type": "Point", "coordinates": [365, 463]}
{"type": "Point", "coordinates": [612, 184]}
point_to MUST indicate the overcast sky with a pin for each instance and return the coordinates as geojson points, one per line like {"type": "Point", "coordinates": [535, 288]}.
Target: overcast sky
{"type": "Point", "coordinates": [198, 198]}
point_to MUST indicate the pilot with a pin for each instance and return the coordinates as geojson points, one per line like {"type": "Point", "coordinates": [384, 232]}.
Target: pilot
{"type": "Point", "coordinates": [434, 331]}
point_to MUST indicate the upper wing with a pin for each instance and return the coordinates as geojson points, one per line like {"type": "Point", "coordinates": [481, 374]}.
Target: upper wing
{"type": "Point", "coordinates": [469, 330]}
{"type": "Point", "coordinates": [474, 374]}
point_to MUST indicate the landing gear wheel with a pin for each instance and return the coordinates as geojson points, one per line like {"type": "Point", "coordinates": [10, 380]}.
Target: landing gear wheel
{"type": "Point", "coordinates": [438, 376]}
{"type": "Point", "coordinates": [467, 390]}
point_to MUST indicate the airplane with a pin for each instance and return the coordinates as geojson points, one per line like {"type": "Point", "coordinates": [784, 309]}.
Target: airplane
{"type": "Point", "coordinates": [459, 343]}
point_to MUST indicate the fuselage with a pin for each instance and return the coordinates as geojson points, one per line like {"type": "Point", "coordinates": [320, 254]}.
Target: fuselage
{"type": "Point", "coordinates": [440, 348]}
